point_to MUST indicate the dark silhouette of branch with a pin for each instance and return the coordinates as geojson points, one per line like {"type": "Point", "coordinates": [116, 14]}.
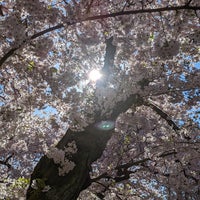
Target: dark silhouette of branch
{"type": "Point", "coordinates": [188, 3]}
{"type": "Point", "coordinates": [153, 10]}
{"type": "Point", "coordinates": [121, 106]}
{"type": "Point", "coordinates": [5, 162]}
{"type": "Point", "coordinates": [7, 55]}
{"type": "Point", "coordinates": [12, 51]}
{"type": "Point", "coordinates": [48, 30]}
{"type": "Point", "coordinates": [163, 115]}
{"type": "Point", "coordinates": [90, 144]}
{"type": "Point", "coordinates": [106, 71]}
{"type": "Point", "coordinates": [123, 172]}
{"type": "Point", "coordinates": [109, 56]}
{"type": "Point", "coordinates": [130, 12]}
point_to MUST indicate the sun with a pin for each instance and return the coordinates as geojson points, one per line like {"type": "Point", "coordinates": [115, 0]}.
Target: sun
{"type": "Point", "coordinates": [94, 75]}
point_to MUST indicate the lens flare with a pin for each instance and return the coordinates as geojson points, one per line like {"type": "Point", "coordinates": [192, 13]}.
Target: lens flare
{"type": "Point", "coordinates": [94, 75]}
{"type": "Point", "coordinates": [105, 125]}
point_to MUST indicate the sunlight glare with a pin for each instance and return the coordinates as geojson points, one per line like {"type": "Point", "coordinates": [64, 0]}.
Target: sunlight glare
{"type": "Point", "coordinates": [94, 75]}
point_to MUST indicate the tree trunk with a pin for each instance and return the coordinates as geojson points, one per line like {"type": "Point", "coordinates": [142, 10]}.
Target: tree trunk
{"type": "Point", "coordinates": [90, 144]}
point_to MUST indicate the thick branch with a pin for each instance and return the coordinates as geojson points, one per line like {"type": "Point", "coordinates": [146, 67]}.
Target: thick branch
{"type": "Point", "coordinates": [109, 56]}
{"type": "Point", "coordinates": [90, 144]}
{"type": "Point", "coordinates": [123, 106]}
{"type": "Point", "coordinates": [130, 12]}
{"type": "Point", "coordinates": [140, 11]}
{"type": "Point", "coordinates": [108, 66]}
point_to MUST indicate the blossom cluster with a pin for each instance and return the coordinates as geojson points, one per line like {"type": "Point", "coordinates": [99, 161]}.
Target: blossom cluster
{"type": "Point", "coordinates": [62, 158]}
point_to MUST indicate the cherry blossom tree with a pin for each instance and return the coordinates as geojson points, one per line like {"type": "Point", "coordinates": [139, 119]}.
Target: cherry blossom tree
{"type": "Point", "coordinates": [133, 133]}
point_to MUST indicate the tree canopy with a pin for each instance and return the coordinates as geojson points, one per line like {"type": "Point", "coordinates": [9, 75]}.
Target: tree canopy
{"type": "Point", "coordinates": [133, 133]}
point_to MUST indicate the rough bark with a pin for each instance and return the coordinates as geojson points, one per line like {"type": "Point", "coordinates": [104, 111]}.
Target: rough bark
{"type": "Point", "coordinates": [90, 144]}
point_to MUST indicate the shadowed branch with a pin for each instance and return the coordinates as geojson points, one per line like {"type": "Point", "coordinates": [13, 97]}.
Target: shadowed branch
{"type": "Point", "coordinates": [130, 12]}
{"type": "Point", "coordinates": [163, 115]}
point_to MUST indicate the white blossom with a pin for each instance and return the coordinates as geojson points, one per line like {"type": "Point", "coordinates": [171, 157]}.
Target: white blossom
{"type": "Point", "coordinates": [48, 48]}
{"type": "Point", "coordinates": [60, 157]}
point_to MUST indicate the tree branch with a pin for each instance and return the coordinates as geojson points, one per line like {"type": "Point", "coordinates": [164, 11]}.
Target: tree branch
{"type": "Point", "coordinates": [163, 115]}
{"type": "Point", "coordinates": [109, 56]}
{"type": "Point", "coordinates": [140, 11]}
{"type": "Point", "coordinates": [123, 171]}
{"type": "Point", "coordinates": [5, 162]}
{"type": "Point", "coordinates": [130, 12]}
{"type": "Point", "coordinates": [108, 64]}
{"type": "Point", "coordinates": [121, 106]}
{"type": "Point", "coordinates": [7, 55]}
{"type": "Point", "coordinates": [48, 30]}
{"type": "Point", "coordinates": [90, 144]}
{"type": "Point", "coordinates": [188, 3]}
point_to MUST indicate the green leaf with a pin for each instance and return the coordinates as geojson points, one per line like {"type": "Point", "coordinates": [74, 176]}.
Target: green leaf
{"type": "Point", "coordinates": [21, 182]}
{"type": "Point", "coordinates": [40, 183]}
{"type": "Point", "coordinates": [53, 70]}
{"type": "Point", "coordinates": [151, 37]}
{"type": "Point", "coordinates": [31, 65]}
{"type": "Point", "coordinates": [49, 7]}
